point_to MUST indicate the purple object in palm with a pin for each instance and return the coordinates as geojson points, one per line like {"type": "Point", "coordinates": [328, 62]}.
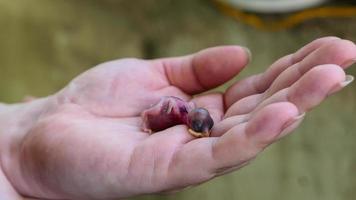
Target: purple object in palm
{"type": "Point", "coordinates": [171, 111]}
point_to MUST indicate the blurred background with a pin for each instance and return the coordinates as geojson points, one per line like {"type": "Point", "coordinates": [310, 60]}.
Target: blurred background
{"type": "Point", "coordinates": [45, 43]}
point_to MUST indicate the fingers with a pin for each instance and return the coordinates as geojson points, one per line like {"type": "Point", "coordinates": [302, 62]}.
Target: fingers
{"type": "Point", "coordinates": [305, 94]}
{"type": "Point", "coordinates": [259, 83]}
{"type": "Point", "coordinates": [226, 124]}
{"type": "Point", "coordinates": [256, 84]}
{"type": "Point", "coordinates": [339, 52]}
{"type": "Point", "coordinates": [312, 88]}
{"type": "Point", "coordinates": [243, 142]}
{"type": "Point", "coordinates": [244, 106]}
{"type": "Point", "coordinates": [309, 48]}
{"type": "Point", "coordinates": [202, 159]}
{"type": "Point", "coordinates": [206, 69]}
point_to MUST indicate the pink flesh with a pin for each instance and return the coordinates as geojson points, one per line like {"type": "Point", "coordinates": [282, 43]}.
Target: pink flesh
{"type": "Point", "coordinates": [168, 112]}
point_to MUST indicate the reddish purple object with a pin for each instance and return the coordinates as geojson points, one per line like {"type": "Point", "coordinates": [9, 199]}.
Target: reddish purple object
{"type": "Point", "coordinates": [171, 111]}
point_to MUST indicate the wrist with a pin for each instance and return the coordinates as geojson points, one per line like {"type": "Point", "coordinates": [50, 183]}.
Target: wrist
{"type": "Point", "coordinates": [16, 120]}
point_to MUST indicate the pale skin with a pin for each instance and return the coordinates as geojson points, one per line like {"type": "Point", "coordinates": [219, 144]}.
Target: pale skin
{"type": "Point", "coordinates": [86, 141]}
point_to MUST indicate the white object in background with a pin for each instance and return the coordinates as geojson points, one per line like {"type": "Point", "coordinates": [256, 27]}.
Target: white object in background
{"type": "Point", "coordinates": [274, 6]}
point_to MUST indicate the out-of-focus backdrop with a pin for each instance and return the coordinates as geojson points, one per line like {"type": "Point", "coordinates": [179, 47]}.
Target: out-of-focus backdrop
{"type": "Point", "coordinates": [45, 43]}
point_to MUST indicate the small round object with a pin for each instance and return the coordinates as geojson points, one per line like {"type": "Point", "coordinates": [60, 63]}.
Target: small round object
{"type": "Point", "coordinates": [200, 121]}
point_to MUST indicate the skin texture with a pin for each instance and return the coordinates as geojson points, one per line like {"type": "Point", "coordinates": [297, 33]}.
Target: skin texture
{"type": "Point", "coordinates": [85, 142]}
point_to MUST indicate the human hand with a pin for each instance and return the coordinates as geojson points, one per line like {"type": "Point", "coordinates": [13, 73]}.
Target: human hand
{"type": "Point", "coordinates": [88, 144]}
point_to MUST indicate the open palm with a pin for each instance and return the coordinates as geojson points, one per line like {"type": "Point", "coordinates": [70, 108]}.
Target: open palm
{"type": "Point", "coordinates": [89, 143]}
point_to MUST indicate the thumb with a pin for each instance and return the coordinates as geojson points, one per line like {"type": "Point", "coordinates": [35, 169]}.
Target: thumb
{"type": "Point", "coordinates": [205, 69]}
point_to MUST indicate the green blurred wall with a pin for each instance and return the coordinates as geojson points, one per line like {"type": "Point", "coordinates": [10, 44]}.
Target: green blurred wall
{"type": "Point", "coordinates": [45, 43]}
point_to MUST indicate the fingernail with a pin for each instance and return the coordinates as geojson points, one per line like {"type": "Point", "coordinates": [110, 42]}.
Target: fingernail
{"type": "Point", "coordinates": [291, 125]}
{"type": "Point", "coordinates": [348, 79]}
{"type": "Point", "coordinates": [349, 63]}
{"type": "Point", "coordinates": [248, 52]}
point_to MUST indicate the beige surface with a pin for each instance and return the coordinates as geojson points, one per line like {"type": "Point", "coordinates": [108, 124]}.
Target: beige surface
{"type": "Point", "coordinates": [45, 43]}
